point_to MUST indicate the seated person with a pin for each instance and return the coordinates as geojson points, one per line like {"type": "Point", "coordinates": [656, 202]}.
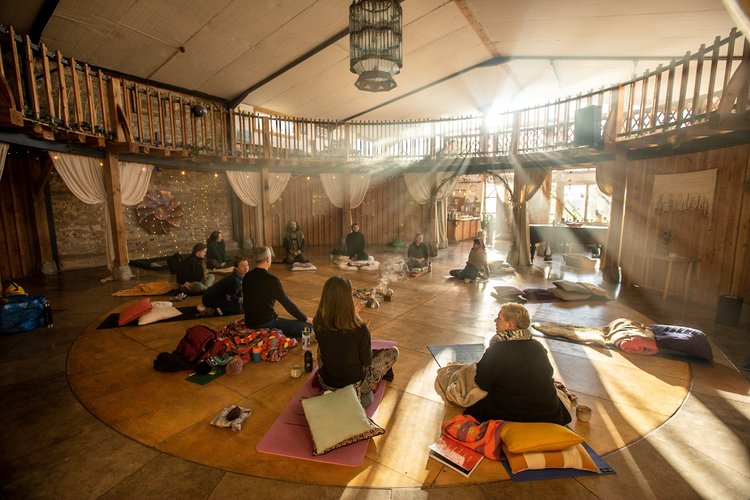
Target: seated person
{"type": "Point", "coordinates": [192, 275]}
{"type": "Point", "coordinates": [216, 258]}
{"type": "Point", "coordinates": [261, 290]}
{"type": "Point", "coordinates": [225, 297]}
{"type": "Point", "coordinates": [294, 243]}
{"type": "Point", "coordinates": [517, 375]}
{"type": "Point", "coordinates": [418, 254]}
{"type": "Point", "coordinates": [345, 353]}
{"type": "Point", "coordinates": [355, 244]}
{"type": "Point", "coordinates": [476, 264]}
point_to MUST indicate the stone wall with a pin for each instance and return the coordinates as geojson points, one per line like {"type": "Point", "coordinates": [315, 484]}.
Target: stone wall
{"type": "Point", "coordinates": [204, 196]}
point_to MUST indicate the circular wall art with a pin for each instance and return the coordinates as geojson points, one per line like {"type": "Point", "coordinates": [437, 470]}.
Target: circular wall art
{"type": "Point", "coordinates": [159, 212]}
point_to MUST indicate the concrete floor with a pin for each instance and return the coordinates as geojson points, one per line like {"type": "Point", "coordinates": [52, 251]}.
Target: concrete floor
{"type": "Point", "coordinates": [53, 448]}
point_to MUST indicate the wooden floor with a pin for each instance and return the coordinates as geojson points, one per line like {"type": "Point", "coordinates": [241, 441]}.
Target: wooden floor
{"type": "Point", "coordinates": [110, 373]}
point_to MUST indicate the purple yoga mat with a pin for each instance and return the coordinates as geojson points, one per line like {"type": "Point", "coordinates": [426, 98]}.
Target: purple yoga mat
{"type": "Point", "coordinates": [289, 435]}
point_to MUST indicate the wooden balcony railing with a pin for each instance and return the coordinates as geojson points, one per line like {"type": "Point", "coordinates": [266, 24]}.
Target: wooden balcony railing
{"type": "Point", "coordinates": [63, 97]}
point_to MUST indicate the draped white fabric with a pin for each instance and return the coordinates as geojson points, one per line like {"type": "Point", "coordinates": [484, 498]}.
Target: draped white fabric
{"type": "Point", "coordinates": [247, 186]}
{"type": "Point", "coordinates": [419, 187]}
{"type": "Point", "coordinates": [84, 177]}
{"type": "Point", "coordinates": [134, 179]}
{"type": "Point", "coordinates": [3, 153]}
{"type": "Point", "coordinates": [333, 187]}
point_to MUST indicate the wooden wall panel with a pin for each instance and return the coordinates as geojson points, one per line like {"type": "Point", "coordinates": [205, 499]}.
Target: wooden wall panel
{"type": "Point", "coordinates": [19, 249]}
{"type": "Point", "coordinates": [711, 239]}
{"type": "Point", "coordinates": [387, 213]}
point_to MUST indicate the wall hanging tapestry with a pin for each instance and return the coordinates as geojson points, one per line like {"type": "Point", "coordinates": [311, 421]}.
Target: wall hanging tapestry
{"type": "Point", "coordinates": [680, 192]}
{"type": "Point", "coordinates": [159, 212]}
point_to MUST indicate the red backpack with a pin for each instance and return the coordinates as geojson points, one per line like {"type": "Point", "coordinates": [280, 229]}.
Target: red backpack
{"type": "Point", "coordinates": [199, 343]}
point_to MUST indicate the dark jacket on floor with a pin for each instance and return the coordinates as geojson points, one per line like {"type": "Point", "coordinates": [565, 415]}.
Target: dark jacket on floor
{"type": "Point", "coordinates": [261, 290]}
{"type": "Point", "coordinates": [518, 378]}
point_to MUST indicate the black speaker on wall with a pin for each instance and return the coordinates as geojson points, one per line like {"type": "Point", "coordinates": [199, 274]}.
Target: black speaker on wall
{"type": "Point", "coordinates": [588, 131]}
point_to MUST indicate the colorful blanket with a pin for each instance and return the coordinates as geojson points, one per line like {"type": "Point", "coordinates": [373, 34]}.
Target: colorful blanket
{"type": "Point", "coordinates": [484, 438]}
{"type": "Point", "coordinates": [240, 341]}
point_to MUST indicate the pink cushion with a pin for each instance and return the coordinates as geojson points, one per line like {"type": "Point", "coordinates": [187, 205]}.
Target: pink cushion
{"type": "Point", "coordinates": [134, 311]}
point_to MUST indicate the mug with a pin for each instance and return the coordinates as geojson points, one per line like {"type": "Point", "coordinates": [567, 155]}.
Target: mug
{"type": "Point", "coordinates": [296, 371]}
{"type": "Point", "coordinates": [583, 413]}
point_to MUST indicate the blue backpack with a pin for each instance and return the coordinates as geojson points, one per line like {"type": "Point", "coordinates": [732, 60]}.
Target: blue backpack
{"type": "Point", "coordinates": [22, 313]}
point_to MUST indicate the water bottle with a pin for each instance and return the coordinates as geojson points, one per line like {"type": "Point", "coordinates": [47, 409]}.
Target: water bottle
{"type": "Point", "coordinates": [48, 314]}
{"type": "Point", "coordinates": [305, 339]}
{"type": "Point", "coordinates": [308, 361]}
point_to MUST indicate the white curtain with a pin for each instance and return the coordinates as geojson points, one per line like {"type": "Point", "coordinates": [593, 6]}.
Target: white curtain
{"type": "Point", "coordinates": [333, 186]}
{"type": "Point", "coordinates": [420, 188]}
{"type": "Point", "coordinates": [3, 154]}
{"type": "Point", "coordinates": [247, 186]}
{"type": "Point", "coordinates": [84, 177]}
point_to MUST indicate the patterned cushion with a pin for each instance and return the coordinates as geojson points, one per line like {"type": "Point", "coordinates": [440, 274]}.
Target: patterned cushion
{"type": "Point", "coordinates": [134, 311]}
{"type": "Point", "coordinates": [337, 419]}
{"type": "Point", "coordinates": [575, 457]}
{"type": "Point", "coordinates": [684, 340]}
{"type": "Point", "coordinates": [523, 437]}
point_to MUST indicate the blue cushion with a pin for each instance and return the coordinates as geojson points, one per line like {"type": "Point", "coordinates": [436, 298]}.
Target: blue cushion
{"type": "Point", "coordinates": [683, 340]}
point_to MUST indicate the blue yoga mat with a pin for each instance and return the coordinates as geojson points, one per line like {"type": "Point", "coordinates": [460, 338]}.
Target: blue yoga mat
{"type": "Point", "coordinates": [538, 475]}
{"type": "Point", "coordinates": [459, 353]}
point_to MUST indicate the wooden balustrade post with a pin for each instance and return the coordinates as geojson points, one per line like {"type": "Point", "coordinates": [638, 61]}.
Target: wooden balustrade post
{"type": "Point", "coordinates": [120, 269]}
{"type": "Point", "coordinates": [614, 120]}
{"type": "Point", "coordinates": [114, 96]}
{"type": "Point", "coordinates": [264, 222]}
{"type": "Point", "coordinates": [347, 206]}
{"type": "Point", "coordinates": [613, 251]}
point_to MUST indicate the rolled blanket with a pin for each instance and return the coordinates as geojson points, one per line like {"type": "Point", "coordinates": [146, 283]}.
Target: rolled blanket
{"type": "Point", "coordinates": [455, 384]}
{"type": "Point", "coordinates": [638, 345]}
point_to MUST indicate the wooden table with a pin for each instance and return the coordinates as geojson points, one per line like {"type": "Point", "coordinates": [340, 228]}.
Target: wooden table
{"type": "Point", "coordinates": [647, 261]}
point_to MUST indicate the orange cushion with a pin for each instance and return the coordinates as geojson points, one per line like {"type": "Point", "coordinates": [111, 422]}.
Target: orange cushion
{"type": "Point", "coordinates": [134, 311]}
{"type": "Point", "coordinates": [575, 457]}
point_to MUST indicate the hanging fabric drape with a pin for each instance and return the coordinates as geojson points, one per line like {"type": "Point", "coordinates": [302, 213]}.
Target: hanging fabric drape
{"type": "Point", "coordinates": [247, 186]}
{"type": "Point", "coordinates": [422, 191]}
{"type": "Point", "coordinates": [3, 153]}
{"type": "Point", "coordinates": [84, 177]}
{"type": "Point", "coordinates": [526, 182]}
{"type": "Point", "coordinates": [605, 173]}
{"type": "Point", "coordinates": [333, 187]}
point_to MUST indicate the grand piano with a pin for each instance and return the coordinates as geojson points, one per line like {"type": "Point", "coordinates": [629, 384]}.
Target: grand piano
{"type": "Point", "coordinates": [579, 238]}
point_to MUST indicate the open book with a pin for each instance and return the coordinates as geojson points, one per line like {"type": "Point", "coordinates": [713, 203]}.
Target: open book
{"type": "Point", "coordinates": [456, 456]}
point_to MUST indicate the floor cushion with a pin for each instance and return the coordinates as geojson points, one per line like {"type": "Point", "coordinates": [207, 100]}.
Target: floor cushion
{"type": "Point", "coordinates": [337, 419]}
{"type": "Point", "coordinates": [134, 311]}
{"type": "Point", "coordinates": [524, 437]}
{"type": "Point", "coordinates": [575, 457]}
{"type": "Point", "coordinates": [161, 310]}
{"type": "Point", "coordinates": [683, 340]}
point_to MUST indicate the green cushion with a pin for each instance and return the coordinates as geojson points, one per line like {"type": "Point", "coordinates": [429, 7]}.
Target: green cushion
{"type": "Point", "coordinates": [337, 419]}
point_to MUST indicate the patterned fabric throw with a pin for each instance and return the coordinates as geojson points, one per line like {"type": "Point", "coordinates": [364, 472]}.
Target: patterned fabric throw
{"type": "Point", "coordinates": [484, 438]}
{"type": "Point", "coordinates": [240, 341]}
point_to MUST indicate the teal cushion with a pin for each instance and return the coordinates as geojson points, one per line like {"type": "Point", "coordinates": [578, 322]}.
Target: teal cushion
{"type": "Point", "coordinates": [337, 419]}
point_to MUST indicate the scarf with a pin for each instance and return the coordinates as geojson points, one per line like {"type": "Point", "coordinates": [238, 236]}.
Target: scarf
{"type": "Point", "coordinates": [522, 334]}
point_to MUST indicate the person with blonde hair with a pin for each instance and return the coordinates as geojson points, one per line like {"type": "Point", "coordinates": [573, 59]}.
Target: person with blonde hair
{"type": "Point", "coordinates": [517, 375]}
{"type": "Point", "coordinates": [345, 354]}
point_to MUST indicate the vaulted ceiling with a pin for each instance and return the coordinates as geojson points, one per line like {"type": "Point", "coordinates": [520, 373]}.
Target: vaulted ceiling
{"type": "Point", "coordinates": [292, 56]}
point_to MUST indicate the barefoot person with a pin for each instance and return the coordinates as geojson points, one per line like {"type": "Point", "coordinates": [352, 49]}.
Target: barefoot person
{"type": "Point", "coordinates": [475, 265]}
{"type": "Point", "coordinates": [261, 290]}
{"type": "Point", "coordinates": [345, 353]}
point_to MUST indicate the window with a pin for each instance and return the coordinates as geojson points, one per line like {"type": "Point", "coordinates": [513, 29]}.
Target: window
{"type": "Point", "coordinates": [578, 198]}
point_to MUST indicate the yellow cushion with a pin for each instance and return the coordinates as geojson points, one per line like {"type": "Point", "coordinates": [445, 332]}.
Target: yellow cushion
{"type": "Point", "coordinates": [574, 457]}
{"type": "Point", "coordinates": [522, 437]}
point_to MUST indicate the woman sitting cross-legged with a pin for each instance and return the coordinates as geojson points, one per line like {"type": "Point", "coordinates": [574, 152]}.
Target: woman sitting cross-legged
{"type": "Point", "coordinates": [345, 355]}
{"type": "Point", "coordinates": [475, 265]}
{"type": "Point", "coordinates": [517, 375]}
{"type": "Point", "coordinates": [192, 274]}
{"type": "Point", "coordinates": [225, 297]}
